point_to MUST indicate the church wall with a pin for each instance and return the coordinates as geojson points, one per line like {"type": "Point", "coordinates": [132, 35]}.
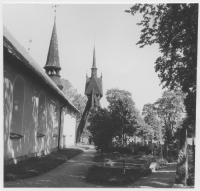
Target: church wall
{"type": "Point", "coordinates": [69, 131]}
{"type": "Point", "coordinates": [37, 116]}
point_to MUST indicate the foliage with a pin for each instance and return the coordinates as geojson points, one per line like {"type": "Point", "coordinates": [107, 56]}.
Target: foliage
{"type": "Point", "coordinates": [171, 111]}
{"type": "Point", "coordinates": [123, 113]}
{"type": "Point", "coordinates": [148, 151]}
{"type": "Point", "coordinates": [77, 99]}
{"type": "Point", "coordinates": [153, 122]}
{"type": "Point", "coordinates": [115, 124]}
{"type": "Point", "coordinates": [142, 128]}
{"type": "Point", "coordinates": [101, 128]}
{"type": "Point", "coordinates": [174, 27]}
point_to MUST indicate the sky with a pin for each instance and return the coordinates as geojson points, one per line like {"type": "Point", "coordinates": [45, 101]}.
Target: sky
{"type": "Point", "coordinates": [81, 26]}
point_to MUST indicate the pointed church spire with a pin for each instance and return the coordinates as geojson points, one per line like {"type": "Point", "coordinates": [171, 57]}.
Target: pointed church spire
{"type": "Point", "coordinates": [53, 55]}
{"type": "Point", "coordinates": [94, 67]}
{"type": "Point", "coordinates": [52, 66]}
{"type": "Point", "coordinates": [94, 59]}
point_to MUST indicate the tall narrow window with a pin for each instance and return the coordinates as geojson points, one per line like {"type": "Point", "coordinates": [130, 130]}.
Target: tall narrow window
{"type": "Point", "coordinates": [55, 120]}
{"type": "Point", "coordinates": [18, 106]}
{"type": "Point", "coordinates": [41, 115]}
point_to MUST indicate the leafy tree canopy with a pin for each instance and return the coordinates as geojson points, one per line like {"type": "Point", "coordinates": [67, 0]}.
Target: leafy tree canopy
{"type": "Point", "coordinates": [101, 128]}
{"type": "Point", "coordinates": [174, 27]}
{"type": "Point", "coordinates": [77, 99]}
{"type": "Point", "coordinates": [123, 112]}
{"type": "Point", "coordinates": [151, 118]}
{"type": "Point", "coordinates": [171, 111]}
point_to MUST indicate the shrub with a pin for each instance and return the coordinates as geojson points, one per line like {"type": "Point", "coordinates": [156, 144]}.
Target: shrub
{"type": "Point", "coordinates": [169, 160]}
{"type": "Point", "coordinates": [180, 175]}
{"type": "Point", "coordinates": [148, 151]}
{"type": "Point", "coordinates": [114, 176]}
{"type": "Point", "coordinates": [190, 180]}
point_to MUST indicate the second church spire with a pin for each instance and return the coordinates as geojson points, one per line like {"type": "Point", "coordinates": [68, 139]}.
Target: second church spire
{"type": "Point", "coordinates": [52, 66]}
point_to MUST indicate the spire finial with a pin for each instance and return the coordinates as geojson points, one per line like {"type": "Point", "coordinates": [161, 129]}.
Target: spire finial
{"type": "Point", "coordinates": [94, 59]}
{"type": "Point", "coordinates": [55, 7]}
{"type": "Point", "coordinates": [101, 75]}
{"type": "Point", "coordinates": [94, 38]}
{"type": "Point", "coordinates": [86, 74]}
{"type": "Point", "coordinates": [29, 43]}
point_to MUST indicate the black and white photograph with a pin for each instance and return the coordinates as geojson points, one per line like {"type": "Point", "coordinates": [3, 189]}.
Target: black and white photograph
{"type": "Point", "coordinates": [100, 94]}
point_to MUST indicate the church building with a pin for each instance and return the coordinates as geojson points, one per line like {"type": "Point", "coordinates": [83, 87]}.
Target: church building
{"type": "Point", "coordinates": [37, 115]}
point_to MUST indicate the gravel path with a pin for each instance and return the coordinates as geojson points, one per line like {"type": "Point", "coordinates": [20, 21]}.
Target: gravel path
{"type": "Point", "coordinates": [70, 174]}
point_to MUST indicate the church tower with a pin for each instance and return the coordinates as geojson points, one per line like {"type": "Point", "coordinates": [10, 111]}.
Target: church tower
{"type": "Point", "coordinates": [94, 92]}
{"type": "Point", "coordinates": [93, 84]}
{"type": "Point", "coordinates": [52, 66]}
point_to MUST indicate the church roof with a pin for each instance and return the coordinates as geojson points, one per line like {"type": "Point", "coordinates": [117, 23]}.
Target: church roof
{"type": "Point", "coordinates": [95, 83]}
{"type": "Point", "coordinates": [53, 54]}
{"type": "Point", "coordinates": [13, 47]}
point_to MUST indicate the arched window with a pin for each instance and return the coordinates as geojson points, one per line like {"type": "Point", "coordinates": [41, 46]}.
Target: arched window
{"type": "Point", "coordinates": [41, 116]}
{"type": "Point", "coordinates": [16, 129]}
{"type": "Point", "coordinates": [55, 120]}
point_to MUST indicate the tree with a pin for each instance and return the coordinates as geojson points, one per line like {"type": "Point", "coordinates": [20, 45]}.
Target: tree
{"type": "Point", "coordinates": [68, 89]}
{"type": "Point", "coordinates": [151, 118]}
{"type": "Point", "coordinates": [101, 128]}
{"type": "Point", "coordinates": [174, 27]}
{"type": "Point", "coordinates": [77, 99]}
{"type": "Point", "coordinates": [123, 113]}
{"type": "Point", "coordinates": [143, 129]}
{"type": "Point", "coordinates": [171, 111]}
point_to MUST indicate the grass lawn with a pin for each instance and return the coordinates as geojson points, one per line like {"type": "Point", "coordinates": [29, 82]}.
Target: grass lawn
{"type": "Point", "coordinates": [38, 165]}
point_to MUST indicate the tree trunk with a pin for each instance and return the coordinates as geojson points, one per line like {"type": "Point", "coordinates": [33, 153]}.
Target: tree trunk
{"type": "Point", "coordinates": [181, 172]}
{"type": "Point", "coordinates": [186, 162]}
{"type": "Point", "coordinates": [193, 152]}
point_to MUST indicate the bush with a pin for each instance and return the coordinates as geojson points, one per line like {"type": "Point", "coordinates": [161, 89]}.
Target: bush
{"type": "Point", "coordinates": [148, 151]}
{"type": "Point", "coordinates": [180, 175]}
{"type": "Point", "coordinates": [169, 160]}
{"type": "Point", "coordinates": [114, 176]}
{"type": "Point", "coordinates": [190, 180]}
